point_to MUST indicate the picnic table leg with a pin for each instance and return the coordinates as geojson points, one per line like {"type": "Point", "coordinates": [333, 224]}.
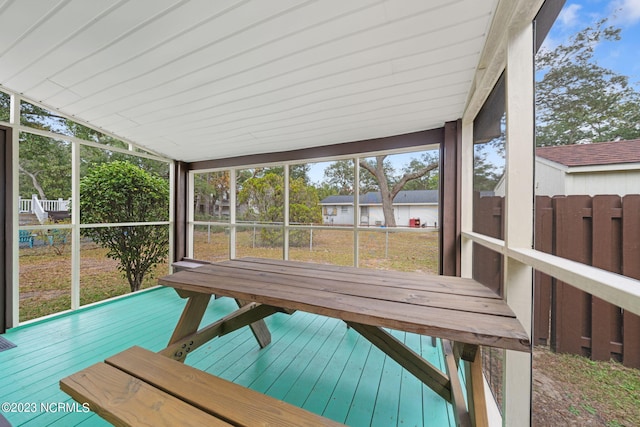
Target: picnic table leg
{"type": "Point", "coordinates": [460, 412]}
{"type": "Point", "coordinates": [259, 328]}
{"type": "Point", "coordinates": [475, 391]}
{"type": "Point", "coordinates": [430, 375]}
{"type": "Point", "coordinates": [191, 316]}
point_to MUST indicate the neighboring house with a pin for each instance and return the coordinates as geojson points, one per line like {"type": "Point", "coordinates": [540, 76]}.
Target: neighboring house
{"type": "Point", "coordinates": [588, 169]}
{"type": "Point", "coordinates": [408, 206]}
{"type": "Point", "coordinates": [598, 168]}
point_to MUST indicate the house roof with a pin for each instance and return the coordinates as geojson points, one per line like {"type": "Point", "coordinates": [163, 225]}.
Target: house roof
{"type": "Point", "coordinates": [600, 153]}
{"type": "Point", "coordinates": [199, 80]}
{"type": "Point", "coordinates": [374, 198]}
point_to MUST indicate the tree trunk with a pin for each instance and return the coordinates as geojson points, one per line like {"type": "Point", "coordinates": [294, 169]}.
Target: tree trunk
{"type": "Point", "coordinates": [34, 180]}
{"type": "Point", "coordinates": [387, 210]}
{"type": "Point", "coordinates": [387, 195]}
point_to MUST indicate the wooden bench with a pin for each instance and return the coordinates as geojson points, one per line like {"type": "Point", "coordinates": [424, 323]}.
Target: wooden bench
{"type": "Point", "coordinates": [139, 387]}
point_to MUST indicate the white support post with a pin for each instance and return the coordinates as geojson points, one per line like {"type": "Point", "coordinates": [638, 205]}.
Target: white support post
{"type": "Point", "coordinates": [232, 214]}
{"type": "Point", "coordinates": [285, 224]}
{"type": "Point", "coordinates": [75, 225]}
{"type": "Point", "coordinates": [467, 197]}
{"type": "Point", "coordinates": [14, 119]}
{"type": "Point", "coordinates": [190, 213]}
{"type": "Point", "coordinates": [356, 210]}
{"type": "Point", "coordinates": [172, 214]}
{"type": "Point", "coordinates": [518, 277]}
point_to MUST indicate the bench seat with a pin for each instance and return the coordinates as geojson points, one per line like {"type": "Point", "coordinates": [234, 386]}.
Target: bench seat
{"type": "Point", "coordinates": [139, 387]}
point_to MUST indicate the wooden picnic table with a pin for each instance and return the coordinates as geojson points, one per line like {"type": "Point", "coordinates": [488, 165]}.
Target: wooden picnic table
{"type": "Point", "coordinates": [462, 312]}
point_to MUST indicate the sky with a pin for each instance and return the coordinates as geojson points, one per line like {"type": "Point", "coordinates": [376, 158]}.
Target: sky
{"type": "Point", "coordinates": [620, 56]}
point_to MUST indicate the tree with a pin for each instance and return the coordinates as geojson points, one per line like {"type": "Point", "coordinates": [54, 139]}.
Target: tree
{"type": "Point", "coordinates": [210, 190]}
{"type": "Point", "coordinates": [45, 163]}
{"type": "Point", "coordinates": [45, 167]}
{"type": "Point", "coordinates": [339, 175]}
{"type": "Point", "coordinates": [428, 181]}
{"type": "Point", "coordinates": [5, 101]}
{"type": "Point", "coordinates": [265, 197]}
{"type": "Point", "coordinates": [579, 101]}
{"type": "Point", "coordinates": [120, 192]}
{"type": "Point", "coordinates": [390, 186]}
{"type": "Point", "coordinates": [295, 171]}
{"type": "Point", "coordinates": [485, 174]}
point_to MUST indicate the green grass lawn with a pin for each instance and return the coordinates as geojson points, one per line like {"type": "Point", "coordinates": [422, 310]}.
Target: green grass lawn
{"type": "Point", "coordinates": [45, 271]}
{"type": "Point", "coordinates": [45, 279]}
{"type": "Point", "coordinates": [378, 248]}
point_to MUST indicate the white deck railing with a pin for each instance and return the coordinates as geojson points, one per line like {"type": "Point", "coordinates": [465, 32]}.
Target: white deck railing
{"type": "Point", "coordinates": [47, 205]}
{"type": "Point", "coordinates": [41, 207]}
{"type": "Point", "coordinates": [24, 205]}
{"type": "Point", "coordinates": [55, 205]}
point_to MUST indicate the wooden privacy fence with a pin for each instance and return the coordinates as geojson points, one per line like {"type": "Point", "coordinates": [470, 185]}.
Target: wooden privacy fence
{"type": "Point", "coordinates": [603, 231]}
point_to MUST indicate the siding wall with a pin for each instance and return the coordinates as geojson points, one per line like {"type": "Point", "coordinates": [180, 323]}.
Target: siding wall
{"type": "Point", "coordinates": [427, 214]}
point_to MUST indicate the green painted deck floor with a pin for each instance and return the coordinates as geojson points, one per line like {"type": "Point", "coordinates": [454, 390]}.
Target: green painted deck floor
{"type": "Point", "coordinates": [313, 362]}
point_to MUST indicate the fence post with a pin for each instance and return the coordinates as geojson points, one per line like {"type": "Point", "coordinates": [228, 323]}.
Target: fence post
{"type": "Point", "coordinates": [606, 319]}
{"type": "Point", "coordinates": [570, 328]}
{"type": "Point", "coordinates": [631, 268]}
{"type": "Point", "coordinates": [543, 283]}
{"type": "Point", "coordinates": [386, 243]}
{"type": "Point", "coordinates": [253, 243]}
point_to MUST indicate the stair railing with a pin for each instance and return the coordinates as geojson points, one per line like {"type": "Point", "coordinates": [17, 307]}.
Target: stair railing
{"type": "Point", "coordinates": [38, 210]}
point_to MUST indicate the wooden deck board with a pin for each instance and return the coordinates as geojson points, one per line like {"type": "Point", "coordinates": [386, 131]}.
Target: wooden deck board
{"type": "Point", "coordinates": [50, 350]}
{"type": "Point", "coordinates": [312, 341]}
{"type": "Point", "coordinates": [388, 398]}
{"type": "Point", "coordinates": [321, 394]}
{"type": "Point", "coordinates": [345, 389]}
{"type": "Point", "coordinates": [317, 364]}
{"type": "Point", "coordinates": [410, 410]}
{"type": "Point", "coordinates": [280, 363]}
{"type": "Point", "coordinates": [366, 392]}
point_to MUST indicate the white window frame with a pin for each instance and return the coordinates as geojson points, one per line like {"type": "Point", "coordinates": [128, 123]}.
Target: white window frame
{"type": "Point", "coordinates": [75, 226]}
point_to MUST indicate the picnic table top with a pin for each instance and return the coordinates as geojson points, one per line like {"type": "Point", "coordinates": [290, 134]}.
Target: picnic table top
{"type": "Point", "coordinates": [447, 307]}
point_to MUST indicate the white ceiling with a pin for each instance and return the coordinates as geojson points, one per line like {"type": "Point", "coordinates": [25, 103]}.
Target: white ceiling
{"type": "Point", "coordinates": [202, 79]}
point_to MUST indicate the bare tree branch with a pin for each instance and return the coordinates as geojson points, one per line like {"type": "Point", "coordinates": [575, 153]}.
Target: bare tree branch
{"type": "Point", "coordinates": [410, 177]}
{"type": "Point", "coordinates": [34, 180]}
